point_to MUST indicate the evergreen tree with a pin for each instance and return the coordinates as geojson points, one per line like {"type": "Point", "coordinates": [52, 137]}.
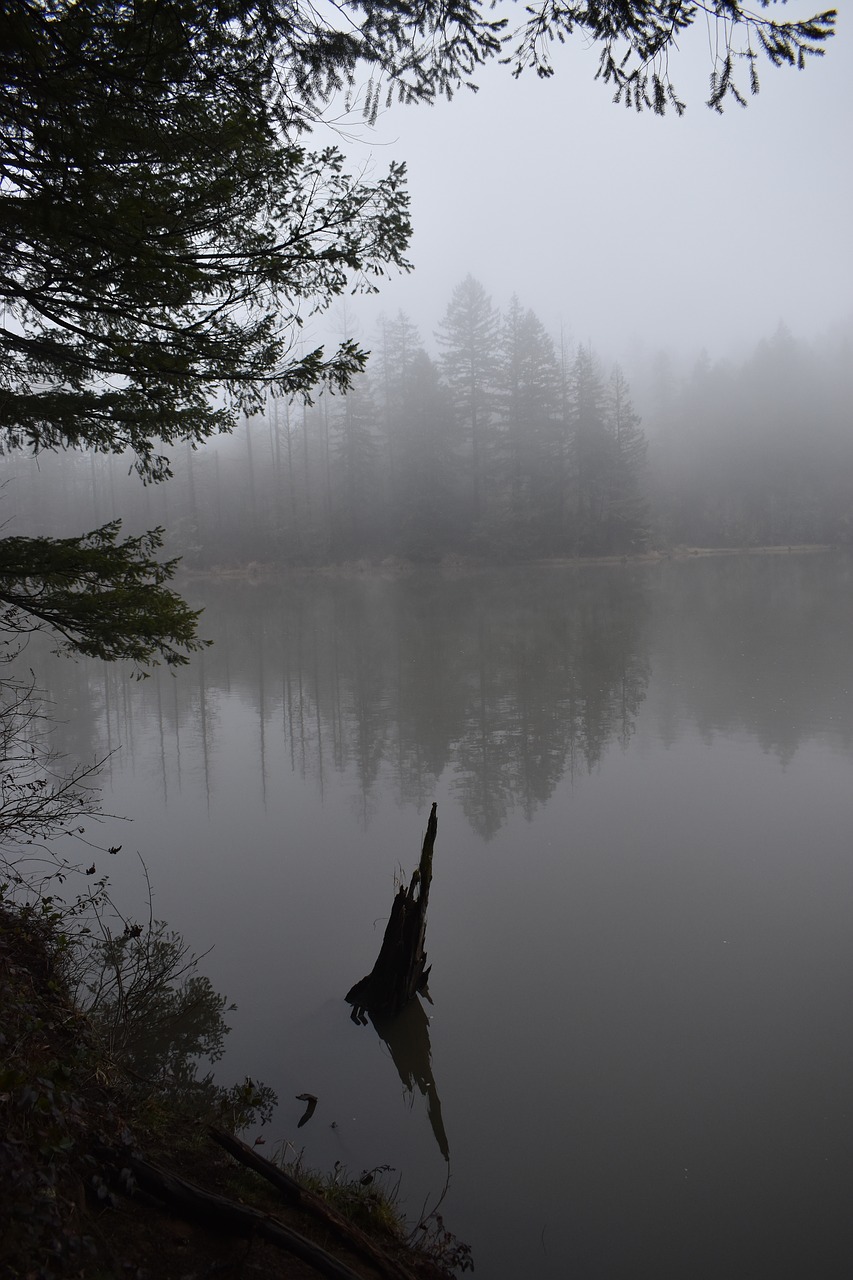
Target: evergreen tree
{"type": "Point", "coordinates": [358, 523]}
{"type": "Point", "coordinates": [102, 595]}
{"type": "Point", "coordinates": [162, 223]}
{"type": "Point", "coordinates": [527, 400]}
{"type": "Point", "coordinates": [590, 453]}
{"type": "Point", "coordinates": [627, 505]}
{"type": "Point", "coordinates": [468, 336]}
{"type": "Point", "coordinates": [399, 347]}
{"type": "Point", "coordinates": [430, 516]}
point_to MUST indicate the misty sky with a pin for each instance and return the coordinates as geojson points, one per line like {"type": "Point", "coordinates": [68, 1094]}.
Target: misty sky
{"type": "Point", "coordinates": [632, 231]}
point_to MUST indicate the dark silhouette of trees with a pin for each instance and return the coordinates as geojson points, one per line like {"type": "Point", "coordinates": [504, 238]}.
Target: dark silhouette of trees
{"type": "Point", "coordinates": [160, 226]}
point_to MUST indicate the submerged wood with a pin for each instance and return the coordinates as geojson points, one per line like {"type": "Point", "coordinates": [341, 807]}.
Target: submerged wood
{"type": "Point", "coordinates": [401, 970]}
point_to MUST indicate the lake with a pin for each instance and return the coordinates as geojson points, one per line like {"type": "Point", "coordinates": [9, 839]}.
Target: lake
{"type": "Point", "coordinates": [639, 1060]}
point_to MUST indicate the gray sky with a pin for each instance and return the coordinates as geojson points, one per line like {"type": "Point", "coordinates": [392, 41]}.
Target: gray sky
{"type": "Point", "coordinates": [632, 231]}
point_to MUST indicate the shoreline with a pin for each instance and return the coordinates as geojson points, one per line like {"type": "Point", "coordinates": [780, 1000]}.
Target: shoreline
{"type": "Point", "coordinates": [459, 565]}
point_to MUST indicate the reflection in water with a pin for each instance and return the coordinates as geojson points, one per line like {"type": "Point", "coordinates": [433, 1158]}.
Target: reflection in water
{"type": "Point", "coordinates": [671, 938]}
{"type": "Point", "coordinates": [759, 644]}
{"type": "Point", "coordinates": [155, 1012]}
{"type": "Point", "coordinates": [407, 1037]}
{"type": "Point", "coordinates": [509, 680]}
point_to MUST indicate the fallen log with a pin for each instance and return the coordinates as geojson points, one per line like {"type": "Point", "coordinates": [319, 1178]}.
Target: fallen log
{"type": "Point", "coordinates": [292, 1191]}
{"type": "Point", "coordinates": [191, 1201]}
{"type": "Point", "coordinates": [401, 970]}
{"type": "Point", "coordinates": [309, 1202]}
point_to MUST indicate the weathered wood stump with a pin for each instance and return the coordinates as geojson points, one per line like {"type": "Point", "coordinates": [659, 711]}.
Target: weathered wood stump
{"type": "Point", "coordinates": [401, 970]}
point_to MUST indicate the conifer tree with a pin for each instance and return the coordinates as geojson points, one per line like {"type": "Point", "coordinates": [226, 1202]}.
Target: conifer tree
{"type": "Point", "coordinates": [590, 452]}
{"type": "Point", "coordinates": [397, 350]}
{"type": "Point", "coordinates": [527, 400]}
{"type": "Point", "coordinates": [429, 522]}
{"type": "Point", "coordinates": [627, 505]}
{"type": "Point", "coordinates": [468, 336]}
{"type": "Point", "coordinates": [359, 517]}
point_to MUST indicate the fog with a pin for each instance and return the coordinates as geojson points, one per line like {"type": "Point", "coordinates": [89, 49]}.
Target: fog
{"type": "Point", "coordinates": [625, 339]}
{"type": "Point", "coordinates": [551, 452]}
{"type": "Point", "coordinates": [709, 255]}
{"type": "Point", "coordinates": [629, 230]}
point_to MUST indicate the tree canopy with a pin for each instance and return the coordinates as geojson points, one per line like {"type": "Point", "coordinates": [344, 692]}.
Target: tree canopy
{"type": "Point", "coordinates": [160, 224]}
{"type": "Point", "coordinates": [421, 51]}
{"type": "Point", "coordinates": [164, 224]}
{"type": "Point", "coordinates": [103, 596]}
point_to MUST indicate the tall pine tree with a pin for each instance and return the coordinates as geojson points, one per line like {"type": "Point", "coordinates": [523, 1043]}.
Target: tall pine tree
{"type": "Point", "coordinates": [468, 338]}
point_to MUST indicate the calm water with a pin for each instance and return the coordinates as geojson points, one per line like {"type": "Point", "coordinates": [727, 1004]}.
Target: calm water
{"type": "Point", "coordinates": [639, 1061]}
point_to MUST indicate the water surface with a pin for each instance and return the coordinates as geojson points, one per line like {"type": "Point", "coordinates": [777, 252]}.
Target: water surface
{"type": "Point", "coordinates": [639, 1057]}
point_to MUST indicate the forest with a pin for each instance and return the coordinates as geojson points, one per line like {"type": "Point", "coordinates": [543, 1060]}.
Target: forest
{"type": "Point", "coordinates": [502, 442]}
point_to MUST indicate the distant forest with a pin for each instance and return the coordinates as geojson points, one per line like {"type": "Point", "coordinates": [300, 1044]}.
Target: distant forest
{"type": "Point", "coordinates": [503, 444]}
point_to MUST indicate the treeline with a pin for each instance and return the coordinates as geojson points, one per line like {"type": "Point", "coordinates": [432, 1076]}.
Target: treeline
{"type": "Point", "coordinates": [756, 453]}
{"type": "Point", "coordinates": [502, 444]}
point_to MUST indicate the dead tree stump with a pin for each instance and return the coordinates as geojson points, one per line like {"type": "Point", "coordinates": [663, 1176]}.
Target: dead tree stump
{"type": "Point", "coordinates": [401, 970]}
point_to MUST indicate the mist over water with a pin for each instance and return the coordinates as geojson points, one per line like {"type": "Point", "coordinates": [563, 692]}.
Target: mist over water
{"type": "Point", "coordinates": [639, 1055]}
{"type": "Point", "coordinates": [477, 579]}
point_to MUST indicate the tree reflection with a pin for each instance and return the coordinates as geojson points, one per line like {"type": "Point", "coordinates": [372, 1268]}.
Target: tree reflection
{"type": "Point", "coordinates": [502, 683]}
{"type": "Point", "coordinates": [557, 676]}
{"type": "Point", "coordinates": [505, 680]}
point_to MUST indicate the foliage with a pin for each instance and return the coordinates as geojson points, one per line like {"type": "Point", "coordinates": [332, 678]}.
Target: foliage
{"type": "Point", "coordinates": [419, 52]}
{"type": "Point", "coordinates": [42, 803]}
{"type": "Point", "coordinates": [144, 271]}
{"type": "Point", "coordinates": [354, 450]}
{"type": "Point", "coordinates": [66, 1086]}
{"type": "Point", "coordinates": [368, 1199]}
{"type": "Point", "coordinates": [433, 1237]}
{"type": "Point", "coordinates": [160, 224]}
{"type": "Point", "coordinates": [628, 507]}
{"type": "Point", "coordinates": [106, 598]}
{"type": "Point", "coordinates": [141, 991]}
{"type": "Point", "coordinates": [44, 1088]}
{"type": "Point", "coordinates": [525, 437]}
{"type": "Point", "coordinates": [163, 224]}
{"type": "Point", "coordinates": [636, 37]}
{"type": "Point", "coordinates": [495, 448]}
